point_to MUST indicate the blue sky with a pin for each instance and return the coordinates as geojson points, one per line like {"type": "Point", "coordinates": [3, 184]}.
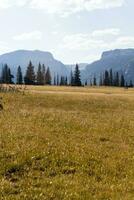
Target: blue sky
{"type": "Point", "coordinates": [73, 30]}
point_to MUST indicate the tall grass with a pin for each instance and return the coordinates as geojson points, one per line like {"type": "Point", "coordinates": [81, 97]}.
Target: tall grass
{"type": "Point", "coordinates": [67, 145]}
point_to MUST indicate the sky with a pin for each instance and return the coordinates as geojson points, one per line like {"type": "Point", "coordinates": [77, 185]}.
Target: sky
{"type": "Point", "coordinates": [73, 30]}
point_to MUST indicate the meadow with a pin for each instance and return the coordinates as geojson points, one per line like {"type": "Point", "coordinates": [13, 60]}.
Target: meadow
{"type": "Point", "coordinates": [67, 143]}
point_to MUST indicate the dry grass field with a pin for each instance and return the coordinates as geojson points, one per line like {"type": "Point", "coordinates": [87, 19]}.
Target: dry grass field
{"type": "Point", "coordinates": [63, 143]}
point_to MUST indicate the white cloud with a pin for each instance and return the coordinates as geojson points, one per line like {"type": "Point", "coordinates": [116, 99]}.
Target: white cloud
{"type": "Point", "coordinates": [66, 7]}
{"type": "Point", "coordinates": [106, 32]}
{"type": "Point", "coordinates": [4, 4]}
{"type": "Point", "coordinates": [4, 47]}
{"type": "Point", "coordinates": [80, 42]}
{"type": "Point", "coordinates": [34, 35]}
{"type": "Point", "coordinates": [63, 7]}
{"type": "Point", "coordinates": [85, 42]}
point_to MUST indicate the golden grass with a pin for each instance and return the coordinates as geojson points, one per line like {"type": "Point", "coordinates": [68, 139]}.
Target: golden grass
{"type": "Point", "coordinates": [66, 143]}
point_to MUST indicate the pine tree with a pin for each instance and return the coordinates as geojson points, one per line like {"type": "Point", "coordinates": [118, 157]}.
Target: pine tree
{"type": "Point", "coordinates": [55, 82]}
{"type": "Point", "coordinates": [71, 79]}
{"type": "Point", "coordinates": [91, 83]}
{"type": "Point", "coordinates": [43, 74]}
{"type": "Point", "coordinates": [122, 82]}
{"type": "Point", "coordinates": [57, 79]}
{"type": "Point", "coordinates": [48, 77]}
{"type": "Point", "coordinates": [66, 80]}
{"type": "Point", "coordinates": [106, 78]}
{"type": "Point", "coordinates": [117, 80]}
{"type": "Point", "coordinates": [86, 83]}
{"type": "Point", "coordinates": [19, 78]}
{"type": "Point", "coordinates": [62, 80]}
{"type": "Point", "coordinates": [6, 76]}
{"type": "Point", "coordinates": [101, 80]}
{"type": "Point", "coordinates": [94, 81]}
{"type": "Point", "coordinates": [39, 75]}
{"type": "Point", "coordinates": [111, 77]}
{"type": "Point", "coordinates": [131, 83]}
{"type": "Point", "coordinates": [30, 75]}
{"type": "Point", "coordinates": [10, 77]}
{"type": "Point", "coordinates": [77, 79]}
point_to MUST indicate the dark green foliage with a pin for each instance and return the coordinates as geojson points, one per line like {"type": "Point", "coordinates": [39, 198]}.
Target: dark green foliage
{"type": "Point", "coordinates": [40, 76]}
{"type": "Point", "coordinates": [94, 81]}
{"type": "Point", "coordinates": [101, 80]}
{"type": "Point", "coordinates": [48, 77]}
{"type": "Point", "coordinates": [112, 79]}
{"type": "Point", "coordinates": [6, 76]}
{"type": "Point", "coordinates": [106, 81]}
{"type": "Point", "coordinates": [57, 79]}
{"type": "Point", "coordinates": [63, 81]}
{"type": "Point", "coordinates": [86, 83]}
{"type": "Point", "coordinates": [122, 83]}
{"type": "Point", "coordinates": [77, 79]}
{"type": "Point", "coordinates": [71, 79]}
{"type": "Point", "coordinates": [19, 77]}
{"type": "Point", "coordinates": [55, 82]}
{"type": "Point", "coordinates": [117, 80]}
{"type": "Point", "coordinates": [131, 83]}
{"type": "Point", "coordinates": [44, 74]}
{"type": "Point", "coordinates": [30, 75]}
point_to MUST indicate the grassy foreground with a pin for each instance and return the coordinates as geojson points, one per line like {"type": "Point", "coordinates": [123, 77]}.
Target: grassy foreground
{"type": "Point", "coordinates": [60, 143]}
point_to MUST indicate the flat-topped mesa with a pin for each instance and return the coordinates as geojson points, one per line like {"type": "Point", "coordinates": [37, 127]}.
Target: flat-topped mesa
{"type": "Point", "coordinates": [118, 52]}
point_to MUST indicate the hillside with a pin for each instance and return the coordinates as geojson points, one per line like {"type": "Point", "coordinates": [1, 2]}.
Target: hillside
{"type": "Point", "coordinates": [118, 60]}
{"type": "Point", "coordinates": [22, 58]}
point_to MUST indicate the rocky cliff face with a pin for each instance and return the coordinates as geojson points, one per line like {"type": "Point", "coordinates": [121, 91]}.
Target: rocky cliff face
{"type": "Point", "coordinates": [22, 58]}
{"type": "Point", "coordinates": [119, 60]}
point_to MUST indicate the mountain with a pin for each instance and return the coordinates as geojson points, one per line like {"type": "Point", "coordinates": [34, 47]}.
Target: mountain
{"type": "Point", "coordinates": [81, 66]}
{"type": "Point", "coordinates": [22, 58]}
{"type": "Point", "coordinates": [121, 60]}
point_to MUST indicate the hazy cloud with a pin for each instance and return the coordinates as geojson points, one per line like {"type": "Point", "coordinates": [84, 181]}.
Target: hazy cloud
{"type": "Point", "coordinates": [63, 7]}
{"type": "Point", "coordinates": [34, 35]}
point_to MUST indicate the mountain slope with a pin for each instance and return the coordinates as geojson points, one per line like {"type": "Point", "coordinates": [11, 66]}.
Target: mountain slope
{"type": "Point", "coordinates": [22, 58]}
{"type": "Point", "coordinates": [118, 60]}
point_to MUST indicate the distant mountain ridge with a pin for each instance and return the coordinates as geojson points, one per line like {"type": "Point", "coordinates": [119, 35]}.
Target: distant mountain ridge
{"type": "Point", "coordinates": [121, 60]}
{"type": "Point", "coordinates": [22, 58]}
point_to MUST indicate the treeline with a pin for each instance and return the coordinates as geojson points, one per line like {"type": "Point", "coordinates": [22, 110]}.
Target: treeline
{"type": "Point", "coordinates": [110, 78]}
{"type": "Point", "coordinates": [41, 77]}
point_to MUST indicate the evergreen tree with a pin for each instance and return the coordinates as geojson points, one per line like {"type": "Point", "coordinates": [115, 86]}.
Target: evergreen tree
{"type": "Point", "coordinates": [57, 79]}
{"type": "Point", "coordinates": [106, 78]}
{"type": "Point", "coordinates": [66, 81]}
{"type": "Point", "coordinates": [48, 77]}
{"type": "Point", "coordinates": [55, 82]}
{"type": "Point", "coordinates": [131, 83]}
{"type": "Point", "coordinates": [62, 82]}
{"type": "Point", "coordinates": [71, 79]}
{"type": "Point", "coordinates": [94, 81]}
{"type": "Point", "coordinates": [43, 74]}
{"type": "Point", "coordinates": [111, 77]}
{"type": "Point", "coordinates": [10, 77]}
{"type": "Point", "coordinates": [122, 82]}
{"type": "Point", "coordinates": [39, 75]}
{"type": "Point", "coordinates": [117, 80]}
{"type": "Point", "coordinates": [77, 79]}
{"type": "Point", "coordinates": [101, 80]}
{"type": "Point", "coordinates": [91, 84]}
{"type": "Point", "coordinates": [86, 83]}
{"type": "Point", "coordinates": [6, 76]}
{"type": "Point", "coordinates": [19, 77]}
{"type": "Point", "coordinates": [30, 75]}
